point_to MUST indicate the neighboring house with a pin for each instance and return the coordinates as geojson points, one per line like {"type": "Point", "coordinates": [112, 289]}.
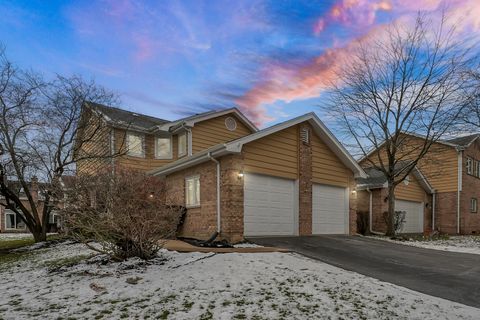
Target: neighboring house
{"type": "Point", "coordinates": [452, 169]}
{"type": "Point", "coordinates": [293, 178]}
{"type": "Point", "coordinates": [413, 197]}
{"type": "Point", "coordinates": [11, 222]}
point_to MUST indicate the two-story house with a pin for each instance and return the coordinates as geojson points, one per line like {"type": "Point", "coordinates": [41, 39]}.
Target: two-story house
{"type": "Point", "coordinates": [443, 190]}
{"type": "Point", "coordinates": [293, 178]}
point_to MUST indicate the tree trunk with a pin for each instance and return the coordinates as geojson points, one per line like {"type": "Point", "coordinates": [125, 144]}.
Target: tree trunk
{"type": "Point", "coordinates": [391, 210]}
{"type": "Point", "coordinates": [39, 234]}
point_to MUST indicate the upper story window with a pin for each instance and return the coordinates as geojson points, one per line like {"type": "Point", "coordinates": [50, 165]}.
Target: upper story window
{"type": "Point", "coordinates": [469, 166]}
{"type": "Point", "coordinates": [478, 169]}
{"type": "Point", "coordinates": [163, 148]}
{"type": "Point", "coordinates": [135, 144]}
{"type": "Point", "coordinates": [182, 144]}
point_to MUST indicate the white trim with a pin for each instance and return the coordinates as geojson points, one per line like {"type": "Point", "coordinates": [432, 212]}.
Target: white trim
{"type": "Point", "coordinates": [347, 209]}
{"type": "Point", "coordinates": [170, 155]}
{"type": "Point", "coordinates": [190, 121]}
{"type": "Point", "coordinates": [11, 212]}
{"type": "Point", "coordinates": [189, 141]}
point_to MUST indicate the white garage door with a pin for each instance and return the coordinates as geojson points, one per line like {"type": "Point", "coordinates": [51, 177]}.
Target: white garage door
{"type": "Point", "coordinates": [329, 210]}
{"type": "Point", "coordinates": [269, 206]}
{"type": "Point", "coordinates": [413, 217]}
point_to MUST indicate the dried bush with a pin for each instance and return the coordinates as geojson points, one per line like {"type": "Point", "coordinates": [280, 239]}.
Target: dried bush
{"type": "Point", "coordinates": [362, 222]}
{"type": "Point", "coordinates": [124, 212]}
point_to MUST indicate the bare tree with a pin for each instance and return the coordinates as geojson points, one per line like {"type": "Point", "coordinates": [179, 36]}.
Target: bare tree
{"type": "Point", "coordinates": [472, 111]}
{"type": "Point", "coordinates": [124, 212]}
{"type": "Point", "coordinates": [39, 122]}
{"type": "Point", "coordinates": [400, 94]}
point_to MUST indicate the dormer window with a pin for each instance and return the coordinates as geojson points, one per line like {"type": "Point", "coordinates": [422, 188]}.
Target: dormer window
{"type": "Point", "coordinates": [182, 144]}
{"type": "Point", "coordinates": [163, 148]}
{"type": "Point", "coordinates": [135, 144]}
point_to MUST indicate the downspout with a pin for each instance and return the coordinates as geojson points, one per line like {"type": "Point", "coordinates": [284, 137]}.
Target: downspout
{"type": "Point", "coordinates": [459, 187]}
{"type": "Point", "coordinates": [434, 194]}
{"type": "Point", "coordinates": [209, 155]}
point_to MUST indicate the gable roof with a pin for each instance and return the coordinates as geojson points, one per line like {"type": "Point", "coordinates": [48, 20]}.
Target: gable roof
{"type": "Point", "coordinates": [464, 141]}
{"type": "Point", "coordinates": [376, 179]}
{"type": "Point", "coordinates": [127, 119]}
{"type": "Point", "coordinates": [235, 146]}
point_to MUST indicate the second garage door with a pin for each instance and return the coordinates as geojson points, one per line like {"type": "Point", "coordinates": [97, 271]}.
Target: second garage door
{"type": "Point", "coordinates": [413, 215]}
{"type": "Point", "coordinates": [329, 210]}
{"type": "Point", "coordinates": [269, 206]}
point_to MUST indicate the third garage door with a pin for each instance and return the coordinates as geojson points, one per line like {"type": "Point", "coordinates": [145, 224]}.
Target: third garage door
{"type": "Point", "coordinates": [413, 215]}
{"type": "Point", "coordinates": [329, 210]}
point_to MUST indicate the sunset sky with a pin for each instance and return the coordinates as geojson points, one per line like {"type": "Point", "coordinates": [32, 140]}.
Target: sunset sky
{"type": "Point", "coordinates": [272, 59]}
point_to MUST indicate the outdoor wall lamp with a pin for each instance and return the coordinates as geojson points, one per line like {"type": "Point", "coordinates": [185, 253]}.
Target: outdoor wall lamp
{"type": "Point", "coordinates": [240, 175]}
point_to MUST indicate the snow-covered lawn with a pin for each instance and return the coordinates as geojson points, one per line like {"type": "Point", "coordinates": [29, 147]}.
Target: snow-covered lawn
{"type": "Point", "coordinates": [15, 236]}
{"type": "Point", "coordinates": [464, 244]}
{"type": "Point", "coordinates": [52, 283]}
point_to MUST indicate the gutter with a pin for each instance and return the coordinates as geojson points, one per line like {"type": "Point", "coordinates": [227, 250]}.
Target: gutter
{"type": "Point", "coordinates": [434, 194]}
{"type": "Point", "coordinates": [209, 155]}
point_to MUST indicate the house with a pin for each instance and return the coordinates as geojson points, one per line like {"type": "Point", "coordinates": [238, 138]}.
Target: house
{"type": "Point", "coordinates": [413, 197]}
{"type": "Point", "coordinates": [293, 178]}
{"type": "Point", "coordinates": [452, 170]}
{"type": "Point", "coordinates": [11, 222]}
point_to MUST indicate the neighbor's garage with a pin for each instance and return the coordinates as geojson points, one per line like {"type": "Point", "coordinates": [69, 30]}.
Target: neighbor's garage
{"type": "Point", "coordinates": [269, 206]}
{"type": "Point", "coordinates": [329, 210]}
{"type": "Point", "coordinates": [413, 215]}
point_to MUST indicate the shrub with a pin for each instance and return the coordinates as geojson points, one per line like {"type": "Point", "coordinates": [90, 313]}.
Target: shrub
{"type": "Point", "coordinates": [362, 222]}
{"type": "Point", "coordinates": [125, 213]}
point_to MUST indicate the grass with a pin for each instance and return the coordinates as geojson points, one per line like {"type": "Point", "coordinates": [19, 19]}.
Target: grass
{"type": "Point", "coordinates": [10, 244]}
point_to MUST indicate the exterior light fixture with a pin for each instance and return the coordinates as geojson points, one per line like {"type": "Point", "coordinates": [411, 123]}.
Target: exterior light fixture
{"type": "Point", "coordinates": [150, 195]}
{"type": "Point", "coordinates": [240, 175]}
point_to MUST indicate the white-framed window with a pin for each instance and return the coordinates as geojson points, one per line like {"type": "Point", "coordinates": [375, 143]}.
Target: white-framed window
{"type": "Point", "coordinates": [473, 205]}
{"type": "Point", "coordinates": [13, 221]}
{"type": "Point", "coordinates": [135, 144]}
{"type": "Point", "coordinates": [192, 191]}
{"type": "Point", "coordinates": [182, 144]}
{"type": "Point", "coordinates": [469, 166]}
{"type": "Point", "coordinates": [163, 148]}
{"type": "Point", "coordinates": [54, 218]}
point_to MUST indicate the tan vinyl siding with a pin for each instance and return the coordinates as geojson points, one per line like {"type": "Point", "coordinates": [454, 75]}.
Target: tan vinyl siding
{"type": "Point", "coordinates": [413, 191]}
{"type": "Point", "coordinates": [276, 154]}
{"type": "Point", "coordinates": [148, 162]}
{"type": "Point", "coordinates": [95, 149]}
{"type": "Point", "coordinates": [439, 166]}
{"type": "Point", "coordinates": [211, 132]}
{"type": "Point", "coordinates": [327, 167]}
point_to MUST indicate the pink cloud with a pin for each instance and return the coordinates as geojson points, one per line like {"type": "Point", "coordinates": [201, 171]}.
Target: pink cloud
{"type": "Point", "coordinates": [352, 12]}
{"type": "Point", "coordinates": [288, 84]}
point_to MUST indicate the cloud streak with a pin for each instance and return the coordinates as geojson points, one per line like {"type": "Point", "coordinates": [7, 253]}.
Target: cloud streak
{"type": "Point", "coordinates": [285, 83]}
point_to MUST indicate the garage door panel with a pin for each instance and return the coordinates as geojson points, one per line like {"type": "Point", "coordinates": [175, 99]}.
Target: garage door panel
{"type": "Point", "coordinates": [269, 206]}
{"type": "Point", "coordinates": [329, 210]}
{"type": "Point", "coordinates": [413, 216]}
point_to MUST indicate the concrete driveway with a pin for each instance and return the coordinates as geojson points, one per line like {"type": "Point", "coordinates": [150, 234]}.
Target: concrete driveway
{"type": "Point", "coordinates": [448, 275]}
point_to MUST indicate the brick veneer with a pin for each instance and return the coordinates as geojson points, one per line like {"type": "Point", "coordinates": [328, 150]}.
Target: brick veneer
{"type": "Point", "coordinates": [305, 185]}
{"type": "Point", "coordinates": [201, 222]}
{"type": "Point", "coordinates": [470, 222]}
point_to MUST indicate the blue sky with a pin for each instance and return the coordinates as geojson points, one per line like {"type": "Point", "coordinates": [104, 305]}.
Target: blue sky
{"type": "Point", "coordinates": [171, 58]}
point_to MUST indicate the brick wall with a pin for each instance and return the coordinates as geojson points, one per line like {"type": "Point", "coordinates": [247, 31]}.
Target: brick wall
{"type": "Point", "coordinates": [470, 222]}
{"type": "Point", "coordinates": [446, 212]}
{"type": "Point", "coordinates": [305, 184]}
{"type": "Point", "coordinates": [201, 222]}
{"type": "Point", "coordinates": [352, 211]}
